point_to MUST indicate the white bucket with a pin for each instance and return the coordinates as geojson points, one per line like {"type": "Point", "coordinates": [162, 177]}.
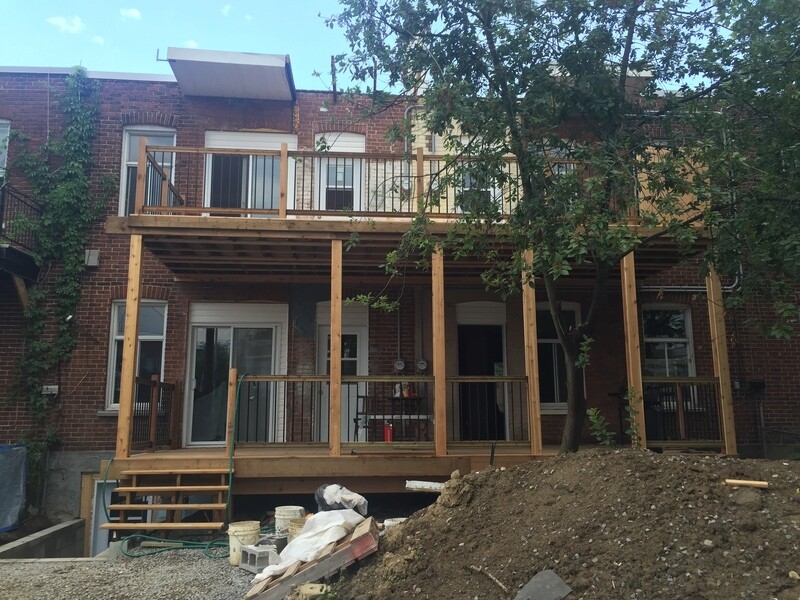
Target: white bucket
{"type": "Point", "coordinates": [284, 514]}
{"type": "Point", "coordinates": [296, 527]}
{"type": "Point", "coordinates": [241, 533]}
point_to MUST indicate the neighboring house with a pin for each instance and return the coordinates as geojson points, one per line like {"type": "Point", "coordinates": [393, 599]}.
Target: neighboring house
{"type": "Point", "coordinates": [228, 249]}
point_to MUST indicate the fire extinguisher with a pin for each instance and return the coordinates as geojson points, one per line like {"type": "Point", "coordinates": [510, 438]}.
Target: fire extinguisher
{"type": "Point", "coordinates": [388, 432]}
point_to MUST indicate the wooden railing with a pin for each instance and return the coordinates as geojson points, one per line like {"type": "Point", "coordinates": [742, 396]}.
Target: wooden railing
{"type": "Point", "coordinates": [682, 411]}
{"type": "Point", "coordinates": [17, 211]}
{"type": "Point", "coordinates": [300, 183]}
{"type": "Point", "coordinates": [157, 414]}
{"type": "Point", "coordinates": [295, 409]}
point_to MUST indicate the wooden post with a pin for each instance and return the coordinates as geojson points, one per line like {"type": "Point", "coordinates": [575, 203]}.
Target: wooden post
{"type": "Point", "coordinates": [420, 179]}
{"type": "Point", "coordinates": [633, 356]}
{"type": "Point", "coordinates": [230, 418]}
{"type": "Point", "coordinates": [719, 350]}
{"type": "Point", "coordinates": [284, 182]}
{"type": "Point", "coordinates": [155, 389]}
{"type": "Point", "coordinates": [176, 415]}
{"type": "Point", "coordinates": [530, 335]}
{"type": "Point", "coordinates": [22, 290]}
{"type": "Point", "coordinates": [439, 367]}
{"type": "Point", "coordinates": [335, 416]}
{"type": "Point", "coordinates": [130, 347]}
{"type": "Point", "coordinates": [141, 180]}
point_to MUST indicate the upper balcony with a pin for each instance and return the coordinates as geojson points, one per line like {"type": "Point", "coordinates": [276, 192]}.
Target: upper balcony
{"type": "Point", "coordinates": [17, 239]}
{"type": "Point", "coordinates": [322, 185]}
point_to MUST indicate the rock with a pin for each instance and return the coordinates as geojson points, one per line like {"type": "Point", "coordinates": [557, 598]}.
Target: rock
{"type": "Point", "coordinates": [793, 575]}
{"type": "Point", "coordinates": [455, 474]}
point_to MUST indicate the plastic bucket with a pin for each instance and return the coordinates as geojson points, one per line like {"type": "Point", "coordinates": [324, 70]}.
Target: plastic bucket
{"type": "Point", "coordinates": [295, 527]}
{"type": "Point", "coordinates": [241, 533]}
{"type": "Point", "coordinates": [284, 514]}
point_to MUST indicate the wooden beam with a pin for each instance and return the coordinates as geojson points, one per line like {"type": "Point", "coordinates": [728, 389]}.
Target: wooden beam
{"type": "Point", "coordinates": [141, 170]}
{"type": "Point", "coordinates": [719, 351]}
{"type": "Point", "coordinates": [334, 418]}
{"type": "Point", "coordinates": [284, 182]}
{"type": "Point", "coordinates": [633, 356]}
{"type": "Point", "coordinates": [439, 367]}
{"type": "Point", "coordinates": [130, 347]}
{"type": "Point", "coordinates": [22, 291]}
{"type": "Point", "coordinates": [530, 336]}
{"type": "Point", "coordinates": [230, 419]}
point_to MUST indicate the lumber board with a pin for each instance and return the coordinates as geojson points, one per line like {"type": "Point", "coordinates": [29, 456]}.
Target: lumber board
{"type": "Point", "coordinates": [138, 507]}
{"type": "Point", "coordinates": [361, 543]}
{"type": "Point", "coordinates": [157, 489]}
{"type": "Point", "coordinates": [747, 483]}
{"type": "Point", "coordinates": [164, 525]}
{"type": "Point", "coordinates": [175, 471]}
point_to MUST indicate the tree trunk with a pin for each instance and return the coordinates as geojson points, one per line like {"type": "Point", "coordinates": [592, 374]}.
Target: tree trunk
{"type": "Point", "coordinates": [576, 408]}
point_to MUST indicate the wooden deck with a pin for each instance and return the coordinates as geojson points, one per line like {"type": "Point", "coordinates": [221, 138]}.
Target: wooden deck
{"type": "Point", "coordinates": [295, 468]}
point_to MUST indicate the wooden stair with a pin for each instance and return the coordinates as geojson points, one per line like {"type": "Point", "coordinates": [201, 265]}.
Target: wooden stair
{"type": "Point", "coordinates": [142, 492]}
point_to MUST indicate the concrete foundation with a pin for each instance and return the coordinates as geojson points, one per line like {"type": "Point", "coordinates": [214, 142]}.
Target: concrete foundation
{"type": "Point", "coordinates": [64, 540]}
{"type": "Point", "coordinates": [62, 498]}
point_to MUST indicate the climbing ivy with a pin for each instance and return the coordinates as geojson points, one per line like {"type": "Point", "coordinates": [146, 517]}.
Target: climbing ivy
{"type": "Point", "coordinates": [59, 173]}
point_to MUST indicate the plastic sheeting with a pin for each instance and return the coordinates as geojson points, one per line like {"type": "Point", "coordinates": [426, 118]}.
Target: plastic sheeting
{"type": "Point", "coordinates": [13, 460]}
{"type": "Point", "coordinates": [335, 497]}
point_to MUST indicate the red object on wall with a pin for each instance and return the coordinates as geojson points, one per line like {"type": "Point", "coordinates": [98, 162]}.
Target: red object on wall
{"type": "Point", "coordinates": [388, 432]}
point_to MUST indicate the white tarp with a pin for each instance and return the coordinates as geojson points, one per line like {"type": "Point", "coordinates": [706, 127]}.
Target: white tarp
{"type": "Point", "coordinates": [320, 530]}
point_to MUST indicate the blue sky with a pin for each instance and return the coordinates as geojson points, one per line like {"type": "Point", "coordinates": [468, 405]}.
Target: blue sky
{"type": "Point", "coordinates": [105, 35]}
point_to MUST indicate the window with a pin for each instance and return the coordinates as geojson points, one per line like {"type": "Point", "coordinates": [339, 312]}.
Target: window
{"type": "Point", "coordinates": [156, 136]}
{"type": "Point", "coordinates": [5, 131]}
{"type": "Point", "coordinates": [667, 342]}
{"type": "Point", "coordinates": [246, 181]}
{"type": "Point", "coordinates": [339, 177]}
{"type": "Point", "coordinates": [150, 358]}
{"type": "Point", "coordinates": [475, 193]}
{"type": "Point", "coordinates": [552, 363]}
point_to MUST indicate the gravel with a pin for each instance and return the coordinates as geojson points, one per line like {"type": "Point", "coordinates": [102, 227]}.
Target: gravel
{"type": "Point", "coordinates": [174, 575]}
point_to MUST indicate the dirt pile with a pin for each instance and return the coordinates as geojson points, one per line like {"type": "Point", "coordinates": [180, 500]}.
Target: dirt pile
{"type": "Point", "coordinates": [612, 524]}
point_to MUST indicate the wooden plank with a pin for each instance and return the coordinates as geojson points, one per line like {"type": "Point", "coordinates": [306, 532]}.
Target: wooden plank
{"type": "Point", "coordinates": [170, 488]}
{"type": "Point", "coordinates": [334, 418]}
{"type": "Point", "coordinates": [230, 418]}
{"type": "Point", "coordinates": [439, 366]}
{"type": "Point", "coordinates": [130, 346]}
{"type": "Point", "coordinates": [747, 483]}
{"type": "Point", "coordinates": [141, 170]}
{"type": "Point", "coordinates": [633, 356]}
{"type": "Point", "coordinates": [22, 290]}
{"type": "Point", "coordinates": [178, 507]}
{"type": "Point", "coordinates": [283, 182]}
{"type": "Point", "coordinates": [719, 350]}
{"type": "Point", "coordinates": [135, 526]}
{"type": "Point", "coordinates": [530, 336]}
{"type": "Point", "coordinates": [361, 543]}
{"type": "Point", "coordinates": [87, 496]}
{"type": "Point", "coordinates": [175, 471]}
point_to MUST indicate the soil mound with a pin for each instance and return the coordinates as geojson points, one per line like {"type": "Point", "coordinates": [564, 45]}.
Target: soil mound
{"type": "Point", "coordinates": [612, 524]}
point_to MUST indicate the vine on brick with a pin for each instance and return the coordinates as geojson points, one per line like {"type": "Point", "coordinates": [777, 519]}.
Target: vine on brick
{"type": "Point", "coordinates": [59, 174]}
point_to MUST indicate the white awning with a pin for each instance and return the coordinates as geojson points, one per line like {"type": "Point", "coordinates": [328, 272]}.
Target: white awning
{"type": "Point", "coordinates": [232, 74]}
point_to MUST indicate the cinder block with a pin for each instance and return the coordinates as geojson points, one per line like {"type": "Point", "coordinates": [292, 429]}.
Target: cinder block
{"type": "Point", "coordinates": [255, 558]}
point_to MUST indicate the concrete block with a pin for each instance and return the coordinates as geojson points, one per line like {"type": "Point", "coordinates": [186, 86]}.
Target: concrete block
{"type": "Point", "coordinates": [256, 558]}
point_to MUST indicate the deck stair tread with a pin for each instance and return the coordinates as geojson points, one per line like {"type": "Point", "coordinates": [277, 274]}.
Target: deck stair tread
{"type": "Point", "coordinates": [158, 489]}
{"type": "Point", "coordinates": [138, 525]}
{"type": "Point", "coordinates": [175, 471]}
{"type": "Point", "coordinates": [141, 507]}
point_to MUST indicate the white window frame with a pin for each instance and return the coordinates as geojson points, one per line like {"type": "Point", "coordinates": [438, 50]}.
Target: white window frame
{"type": "Point", "coordinates": [689, 339]}
{"type": "Point", "coordinates": [114, 337]}
{"type": "Point", "coordinates": [354, 143]}
{"type": "Point", "coordinates": [248, 140]}
{"type": "Point", "coordinates": [130, 161]}
{"type": "Point", "coordinates": [5, 133]}
{"type": "Point", "coordinates": [557, 407]}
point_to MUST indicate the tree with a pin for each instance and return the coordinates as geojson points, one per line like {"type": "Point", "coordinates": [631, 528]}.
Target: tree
{"type": "Point", "coordinates": [573, 90]}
